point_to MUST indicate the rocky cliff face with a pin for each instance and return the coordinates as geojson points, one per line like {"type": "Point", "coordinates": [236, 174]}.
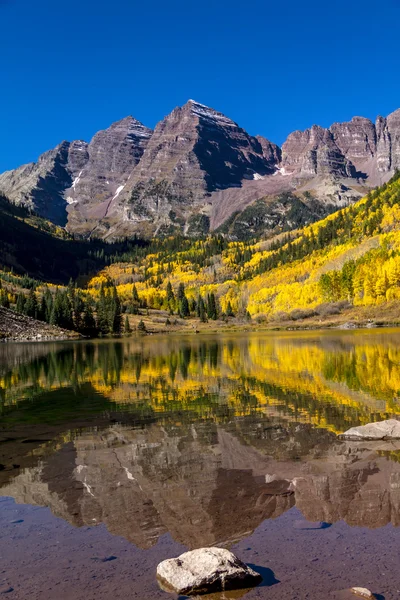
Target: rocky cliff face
{"type": "Point", "coordinates": [196, 170]}
{"type": "Point", "coordinates": [356, 149]}
{"type": "Point", "coordinates": [40, 186]}
{"type": "Point", "coordinates": [75, 182]}
{"type": "Point", "coordinates": [314, 152]}
{"type": "Point", "coordinates": [112, 155]}
{"type": "Point", "coordinates": [194, 151]}
{"type": "Point", "coordinates": [356, 140]}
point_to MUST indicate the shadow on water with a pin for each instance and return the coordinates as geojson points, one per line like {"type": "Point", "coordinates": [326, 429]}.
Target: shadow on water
{"type": "Point", "coordinates": [268, 576]}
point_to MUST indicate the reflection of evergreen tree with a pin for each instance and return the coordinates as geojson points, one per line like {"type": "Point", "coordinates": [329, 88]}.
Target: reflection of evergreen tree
{"type": "Point", "coordinates": [213, 352]}
{"type": "Point", "coordinates": [184, 360]}
{"type": "Point", "coordinates": [203, 354]}
{"type": "Point", "coordinates": [173, 365]}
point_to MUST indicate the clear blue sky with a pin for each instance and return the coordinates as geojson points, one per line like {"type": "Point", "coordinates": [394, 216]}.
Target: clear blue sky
{"type": "Point", "coordinates": [70, 68]}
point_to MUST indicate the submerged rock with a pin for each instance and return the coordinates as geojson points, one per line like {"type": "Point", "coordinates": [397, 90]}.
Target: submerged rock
{"type": "Point", "coordinates": [362, 592]}
{"type": "Point", "coordinates": [382, 430]}
{"type": "Point", "coordinates": [310, 525]}
{"type": "Point", "coordinates": [205, 570]}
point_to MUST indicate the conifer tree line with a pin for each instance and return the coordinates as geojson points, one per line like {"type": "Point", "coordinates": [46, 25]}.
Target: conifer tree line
{"type": "Point", "coordinates": [71, 309]}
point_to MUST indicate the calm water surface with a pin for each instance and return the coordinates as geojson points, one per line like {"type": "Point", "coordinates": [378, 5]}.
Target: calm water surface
{"type": "Point", "coordinates": [138, 449]}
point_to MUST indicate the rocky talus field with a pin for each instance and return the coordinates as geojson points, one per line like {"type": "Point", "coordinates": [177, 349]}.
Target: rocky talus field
{"type": "Point", "coordinates": [20, 328]}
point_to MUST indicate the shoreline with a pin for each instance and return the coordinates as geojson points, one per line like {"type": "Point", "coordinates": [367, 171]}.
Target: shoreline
{"type": "Point", "coordinates": [352, 319]}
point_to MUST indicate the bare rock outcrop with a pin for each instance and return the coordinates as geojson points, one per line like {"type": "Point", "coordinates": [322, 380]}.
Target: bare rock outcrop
{"type": "Point", "coordinates": [381, 430]}
{"type": "Point", "coordinates": [76, 181]}
{"type": "Point", "coordinates": [315, 152]}
{"type": "Point", "coordinates": [356, 140]}
{"type": "Point", "coordinates": [205, 570]}
{"type": "Point", "coordinates": [112, 155]}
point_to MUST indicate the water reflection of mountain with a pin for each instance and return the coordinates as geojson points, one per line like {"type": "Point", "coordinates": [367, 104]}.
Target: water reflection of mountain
{"type": "Point", "coordinates": [206, 483]}
{"type": "Point", "coordinates": [203, 437]}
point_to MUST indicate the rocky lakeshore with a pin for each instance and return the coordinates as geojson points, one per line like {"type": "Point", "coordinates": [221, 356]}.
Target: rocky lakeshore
{"type": "Point", "coordinates": [15, 327]}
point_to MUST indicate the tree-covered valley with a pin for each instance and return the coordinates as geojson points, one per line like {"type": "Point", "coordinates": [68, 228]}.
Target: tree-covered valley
{"type": "Point", "coordinates": [343, 267]}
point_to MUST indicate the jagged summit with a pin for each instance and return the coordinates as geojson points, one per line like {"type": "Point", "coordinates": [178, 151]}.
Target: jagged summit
{"type": "Point", "coordinates": [207, 113]}
{"type": "Point", "coordinates": [131, 124]}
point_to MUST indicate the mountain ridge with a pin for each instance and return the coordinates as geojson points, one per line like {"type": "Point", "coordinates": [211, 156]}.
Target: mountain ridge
{"type": "Point", "coordinates": [195, 170]}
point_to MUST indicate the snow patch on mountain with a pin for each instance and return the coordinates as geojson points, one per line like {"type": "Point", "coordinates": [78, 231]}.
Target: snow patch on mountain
{"type": "Point", "coordinates": [76, 180]}
{"type": "Point", "coordinates": [119, 190]}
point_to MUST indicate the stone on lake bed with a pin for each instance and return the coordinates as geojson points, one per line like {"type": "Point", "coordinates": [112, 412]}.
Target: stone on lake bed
{"type": "Point", "coordinates": [204, 571]}
{"type": "Point", "coordinates": [362, 592]}
{"type": "Point", "coordinates": [310, 525]}
{"type": "Point", "coordinates": [382, 430]}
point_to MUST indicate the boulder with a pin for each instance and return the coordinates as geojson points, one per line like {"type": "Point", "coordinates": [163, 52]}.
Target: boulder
{"type": "Point", "coordinates": [362, 592]}
{"type": "Point", "coordinates": [382, 430]}
{"type": "Point", "coordinates": [204, 571]}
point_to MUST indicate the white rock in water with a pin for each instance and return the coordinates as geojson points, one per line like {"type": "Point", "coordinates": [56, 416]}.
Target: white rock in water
{"type": "Point", "coordinates": [205, 570]}
{"type": "Point", "coordinates": [388, 430]}
{"type": "Point", "coordinates": [362, 592]}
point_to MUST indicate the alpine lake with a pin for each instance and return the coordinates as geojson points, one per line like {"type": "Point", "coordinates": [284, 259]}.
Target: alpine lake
{"type": "Point", "coordinates": [117, 454]}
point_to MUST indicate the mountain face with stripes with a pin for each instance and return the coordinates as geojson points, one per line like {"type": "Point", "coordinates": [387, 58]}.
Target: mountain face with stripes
{"type": "Point", "coordinates": [199, 171]}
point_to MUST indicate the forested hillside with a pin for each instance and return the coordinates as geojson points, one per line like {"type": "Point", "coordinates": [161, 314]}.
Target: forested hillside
{"type": "Point", "coordinates": [34, 246]}
{"type": "Point", "coordinates": [350, 257]}
{"type": "Point", "coordinates": [347, 261]}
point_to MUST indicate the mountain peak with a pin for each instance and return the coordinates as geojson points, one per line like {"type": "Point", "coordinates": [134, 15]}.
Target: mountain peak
{"type": "Point", "coordinates": [194, 102]}
{"type": "Point", "coordinates": [132, 125]}
{"type": "Point", "coordinates": [208, 114]}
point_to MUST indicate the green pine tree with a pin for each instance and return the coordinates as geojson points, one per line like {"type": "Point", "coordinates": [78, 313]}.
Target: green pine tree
{"type": "Point", "coordinates": [31, 305]}
{"type": "Point", "coordinates": [127, 327]}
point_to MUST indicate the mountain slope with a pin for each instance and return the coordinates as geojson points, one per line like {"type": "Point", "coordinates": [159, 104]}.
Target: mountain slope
{"type": "Point", "coordinates": [112, 156]}
{"type": "Point", "coordinates": [349, 259]}
{"type": "Point", "coordinates": [17, 327]}
{"type": "Point", "coordinates": [29, 245]}
{"type": "Point", "coordinates": [40, 186]}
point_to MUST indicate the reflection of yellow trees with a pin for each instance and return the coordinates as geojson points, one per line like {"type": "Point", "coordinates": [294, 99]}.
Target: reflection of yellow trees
{"type": "Point", "coordinates": [332, 381]}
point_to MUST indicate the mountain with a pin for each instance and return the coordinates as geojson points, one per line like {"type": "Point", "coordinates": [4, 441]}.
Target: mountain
{"type": "Point", "coordinates": [112, 156]}
{"type": "Point", "coordinates": [199, 170]}
{"type": "Point", "coordinates": [40, 186]}
{"type": "Point", "coordinates": [78, 173]}
{"type": "Point", "coordinates": [194, 151]}
{"type": "Point", "coordinates": [343, 268]}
